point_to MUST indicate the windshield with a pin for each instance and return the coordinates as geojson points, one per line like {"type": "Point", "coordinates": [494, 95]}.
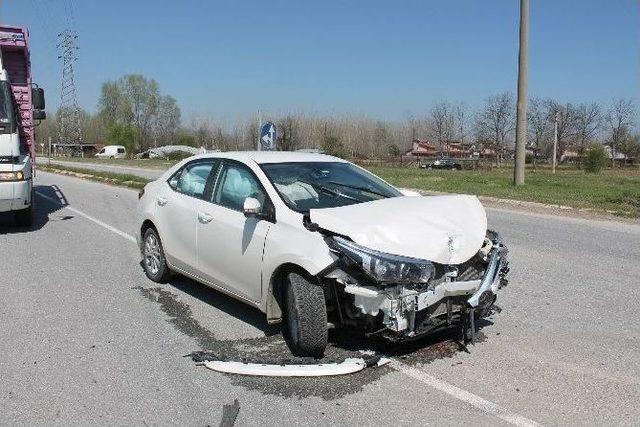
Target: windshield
{"type": "Point", "coordinates": [317, 185]}
{"type": "Point", "coordinates": [6, 104]}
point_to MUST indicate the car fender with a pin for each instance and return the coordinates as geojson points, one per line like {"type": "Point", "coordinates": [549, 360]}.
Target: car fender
{"type": "Point", "coordinates": [290, 247]}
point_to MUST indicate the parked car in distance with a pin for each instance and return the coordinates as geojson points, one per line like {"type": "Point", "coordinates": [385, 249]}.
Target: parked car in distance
{"type": "Point", "coordinates": [444, 163]}
{"type": "Point", "coordinates": [317, 242]}
{"type": "Point", "coordinates": [112, 152]}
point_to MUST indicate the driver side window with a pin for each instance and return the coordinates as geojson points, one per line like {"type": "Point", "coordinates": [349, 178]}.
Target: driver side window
{"type": "Point", "coordinates": [235, 184]}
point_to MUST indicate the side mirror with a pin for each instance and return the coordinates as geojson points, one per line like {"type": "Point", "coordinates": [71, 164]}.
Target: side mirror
{"type": "Point", "coordinates": [252, 207]}
{"type": "Point", "coordinates": [37, 98]}
{"type": "Point", "coordinates": [39, 115]}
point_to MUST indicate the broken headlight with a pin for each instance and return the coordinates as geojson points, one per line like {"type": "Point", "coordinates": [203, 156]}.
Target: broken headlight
{"type": "Point", "coordinates": [382, 267]}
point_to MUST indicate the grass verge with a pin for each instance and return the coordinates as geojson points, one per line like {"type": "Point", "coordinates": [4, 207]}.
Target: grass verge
{"type": "Point", "coordinates": [122, 180]}
{"type": "Point", "coordinates": [613, 191]}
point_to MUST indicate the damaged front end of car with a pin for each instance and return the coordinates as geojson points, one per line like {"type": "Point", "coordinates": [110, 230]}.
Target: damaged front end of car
{"type": "Point", "coordinates": [402, 298]}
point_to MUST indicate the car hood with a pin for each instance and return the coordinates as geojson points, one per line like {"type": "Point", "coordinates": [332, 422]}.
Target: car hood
{"type": "Point", "coordinates": [442, 229]}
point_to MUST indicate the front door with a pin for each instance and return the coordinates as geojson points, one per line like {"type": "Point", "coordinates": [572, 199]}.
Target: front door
{"type": "Point", "coordinates": [230, 245]}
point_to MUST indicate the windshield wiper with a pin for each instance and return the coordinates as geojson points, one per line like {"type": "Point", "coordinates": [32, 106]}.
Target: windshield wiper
{"type": "Point", "coordinates": [328, 190]}
{"type": "Point", "coordinates": [355, 187]}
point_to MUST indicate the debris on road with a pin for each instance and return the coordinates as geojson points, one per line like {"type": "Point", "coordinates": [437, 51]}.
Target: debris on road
{"type": "Point", "coordinates": [348, 366]}
{"type": "Point", "coordinates": [229, 414]}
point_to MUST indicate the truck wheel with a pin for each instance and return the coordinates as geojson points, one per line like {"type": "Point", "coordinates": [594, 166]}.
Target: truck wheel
{"type": "Point", "coordinates": [153, 259]}
{"type": "Point", "coordinates": [24, 217]}
{"type": "Point", "coordinates": [306, 315]}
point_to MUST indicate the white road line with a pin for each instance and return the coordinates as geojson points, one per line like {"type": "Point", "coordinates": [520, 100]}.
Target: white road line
{"type": "Point", "coordinates": [90, 218]}
{"type": "Point", "coordinates": [465, 396]}
{"type": "Point", "coordinates": [417, 374]}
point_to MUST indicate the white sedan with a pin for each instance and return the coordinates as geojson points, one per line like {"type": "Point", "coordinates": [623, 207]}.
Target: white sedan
{"type": "Point", "coordinates": [319, 242]}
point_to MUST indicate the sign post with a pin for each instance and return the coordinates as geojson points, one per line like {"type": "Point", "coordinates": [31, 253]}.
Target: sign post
{"type": "Point", "coordinates": [268, 137]}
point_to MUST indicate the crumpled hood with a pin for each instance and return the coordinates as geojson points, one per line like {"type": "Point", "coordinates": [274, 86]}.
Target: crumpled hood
{"type": "Point", "coordinates": [442, 229]}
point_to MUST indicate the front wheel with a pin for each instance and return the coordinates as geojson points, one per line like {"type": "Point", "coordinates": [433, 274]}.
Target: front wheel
{"type": "Point", "coordinates": [153, 259]}
{"type": "Point", "coordinates": [306, 315]}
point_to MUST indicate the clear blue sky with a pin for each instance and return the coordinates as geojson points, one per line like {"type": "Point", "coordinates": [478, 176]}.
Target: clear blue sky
{"type": "Point", "coordinates": [382, 58]}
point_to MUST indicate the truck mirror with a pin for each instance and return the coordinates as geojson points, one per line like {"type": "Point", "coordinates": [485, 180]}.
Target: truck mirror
{"type": "Point", "coordinates": [37, 97]}
{"type": "Point", "coordinates": [39, 115]}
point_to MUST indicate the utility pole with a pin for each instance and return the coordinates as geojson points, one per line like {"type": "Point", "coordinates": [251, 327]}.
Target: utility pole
{"type": "Point", "coordinates": [555, 142]}
{"type": "Point", "coordinates": [521, 113]}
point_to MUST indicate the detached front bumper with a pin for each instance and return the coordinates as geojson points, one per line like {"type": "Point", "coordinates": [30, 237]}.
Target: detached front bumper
{"type": "Point", "coordinates": [409, 313]}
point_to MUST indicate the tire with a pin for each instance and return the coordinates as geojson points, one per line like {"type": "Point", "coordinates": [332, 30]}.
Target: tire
{"type": "Point", "coordinates": [153, 259]}
{"type": "Point", "coordinates": [24, 217]}
{"type": "Point", "coordinates": [306, 317]}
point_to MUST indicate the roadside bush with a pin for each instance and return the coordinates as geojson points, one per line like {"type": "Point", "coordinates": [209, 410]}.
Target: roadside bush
{"type": "Point", "coordinates": [332, 145]}
{"type": "Point", "coordinates": [393, 150]}
{"type": "Point", "coordinates": [595, 160]}
{"type": "Point", "coordinates": [186, 139]}
{"type": "Point", "coordinates": [177, 156]}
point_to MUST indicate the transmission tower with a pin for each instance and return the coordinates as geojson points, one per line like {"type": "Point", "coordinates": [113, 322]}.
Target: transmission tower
{"type": "Point", "coordinates": [70, 129]}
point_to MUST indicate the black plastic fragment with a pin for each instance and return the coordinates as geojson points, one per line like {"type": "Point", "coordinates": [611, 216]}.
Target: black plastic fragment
{"type": "Point", "coordinates": [229, 414]}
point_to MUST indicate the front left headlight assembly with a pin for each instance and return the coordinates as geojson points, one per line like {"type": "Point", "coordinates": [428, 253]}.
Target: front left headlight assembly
{"type": "Point", "coordinates": [11, 176]}
{"type": "Point", "coordinates": [382, 267]}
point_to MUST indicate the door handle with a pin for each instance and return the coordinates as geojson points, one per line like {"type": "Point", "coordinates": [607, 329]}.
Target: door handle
{"type": "Point", "coordinates": [204, 218]}
{"type": "Point", "coordinates": [162, 201]}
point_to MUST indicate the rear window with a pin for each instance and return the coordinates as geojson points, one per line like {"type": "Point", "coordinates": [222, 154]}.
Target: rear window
{"type": "Point", "coordinates": [120, 150]}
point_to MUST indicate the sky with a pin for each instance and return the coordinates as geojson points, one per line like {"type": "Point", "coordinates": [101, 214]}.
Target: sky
{"type": "Point", "coordinates": [384, 59]}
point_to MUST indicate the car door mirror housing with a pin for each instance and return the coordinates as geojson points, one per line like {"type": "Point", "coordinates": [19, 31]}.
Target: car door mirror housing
{"type": "Point", "coordinates": [252, 207]}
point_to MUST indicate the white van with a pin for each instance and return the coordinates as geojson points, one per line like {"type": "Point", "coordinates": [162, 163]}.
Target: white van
{"type": "Point", "coordinates": [113, 152]}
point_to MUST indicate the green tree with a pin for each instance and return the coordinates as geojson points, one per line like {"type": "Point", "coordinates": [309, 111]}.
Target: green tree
{"type": "Point", "coordinates": [122, 135]}
{"type": "Point", "coordinates": [135, 101]}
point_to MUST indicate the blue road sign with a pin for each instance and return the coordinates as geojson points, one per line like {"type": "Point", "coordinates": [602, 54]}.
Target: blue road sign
{"type": "Point", "coordinates": [268, 137]}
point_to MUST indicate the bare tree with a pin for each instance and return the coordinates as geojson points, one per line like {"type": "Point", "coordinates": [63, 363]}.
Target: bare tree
{"type": "Point", "coordinates": [166, 122]}
{"type": "Point", "coordinates": [587, 123]}
{"type": "Point", "coordinates": [461, 118]}
{"type": "Point", "coordinates": [496, 121]}
{"type": "Point", "coordinates": [539, 126]}
{"type": "Point", "coordinates": [565, 114]}
{"type": "Point", "coordinates": [442, 122]}
{"type": "Point", "coordinates": [619, 119]}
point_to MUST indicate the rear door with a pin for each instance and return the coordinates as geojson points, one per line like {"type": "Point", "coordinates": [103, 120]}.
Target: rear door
{"type": "Point", "coordinates": [230, 245]}
{"type": "Point", "coordinates": [177, 211]}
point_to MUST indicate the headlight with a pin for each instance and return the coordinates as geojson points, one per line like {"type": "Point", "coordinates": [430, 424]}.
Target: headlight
{"type": "Point", "coordinates": [12, 176]}
{"type": "Point", "coordinates": [385, 268]}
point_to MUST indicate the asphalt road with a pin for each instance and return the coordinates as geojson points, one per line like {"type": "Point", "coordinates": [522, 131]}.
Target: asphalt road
{"type": "Point", "coordinates": [87, 339]}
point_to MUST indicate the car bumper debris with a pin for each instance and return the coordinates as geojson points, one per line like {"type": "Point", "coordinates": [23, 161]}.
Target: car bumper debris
{"type": "Point", "coordinates": [348, 366]}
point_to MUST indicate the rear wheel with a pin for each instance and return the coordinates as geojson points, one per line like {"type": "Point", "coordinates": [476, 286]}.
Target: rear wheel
{"type": "Point", "coordinates": [153, 259]}
{"type": "Point", "coordinates": [306, 315]}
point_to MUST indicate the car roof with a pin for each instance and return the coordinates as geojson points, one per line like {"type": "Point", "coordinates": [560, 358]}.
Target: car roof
{"type": "Point", "coordinates": [263, 157]}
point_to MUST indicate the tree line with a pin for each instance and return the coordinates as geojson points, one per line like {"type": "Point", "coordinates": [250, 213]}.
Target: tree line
{"type": "Point", "coordinates": [133, 112]}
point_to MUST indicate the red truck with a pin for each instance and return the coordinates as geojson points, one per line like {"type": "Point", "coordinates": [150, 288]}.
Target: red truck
{"type": "Point", "coordinates": [21, 108]}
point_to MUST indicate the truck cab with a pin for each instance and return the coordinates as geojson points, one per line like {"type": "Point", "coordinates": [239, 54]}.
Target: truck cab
{"type": "Point", "coordinates": [21, 107]}
{"type": "Point", "coordinates": [15, 161]}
